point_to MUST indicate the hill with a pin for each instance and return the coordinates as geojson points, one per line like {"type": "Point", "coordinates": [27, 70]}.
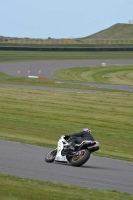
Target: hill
{"type": "Point", "coordinates": [118, 34]}
{"type": "Point", "coordinates": [117, 31]}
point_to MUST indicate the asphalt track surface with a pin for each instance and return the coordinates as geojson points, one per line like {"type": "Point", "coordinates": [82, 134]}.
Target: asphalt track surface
{"type": "Point", "coordinates": [28, 161]}
{"type": "Point", "coordinates": [101, 173]}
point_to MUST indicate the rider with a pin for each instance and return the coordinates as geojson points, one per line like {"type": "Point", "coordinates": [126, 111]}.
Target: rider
{"type": "Point", "coordinates": [77, 138]}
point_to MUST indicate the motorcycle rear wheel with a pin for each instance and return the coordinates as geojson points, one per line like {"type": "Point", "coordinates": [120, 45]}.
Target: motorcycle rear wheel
{"type": "Point", "coordinates": [51, 156]}
{"type": "Point", "coordinates": [80, 159]}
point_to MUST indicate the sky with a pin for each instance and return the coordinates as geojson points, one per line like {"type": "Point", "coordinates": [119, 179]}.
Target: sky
{"type": "Point", "coordinates": [61, 18]}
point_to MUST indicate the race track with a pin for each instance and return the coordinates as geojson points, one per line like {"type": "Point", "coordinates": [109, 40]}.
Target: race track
{"type": "Point", "coordinates": [28, 161]}
{"type": "Point", "coordinates": [47, 68]}
{"type": "Point", "coordinates": [101, 173]}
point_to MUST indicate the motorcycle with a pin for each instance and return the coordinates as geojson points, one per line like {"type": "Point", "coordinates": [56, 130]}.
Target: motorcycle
{"type": "Point", "coordinates": [76, 157]}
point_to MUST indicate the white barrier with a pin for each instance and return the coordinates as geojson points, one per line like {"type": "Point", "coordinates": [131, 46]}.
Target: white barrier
{"type": "Point", "coordinates": [32, 76]}
{"type": "Point", "coordinates": [36, 76]}
{"type": "Point", "coordinates": [103, 64]}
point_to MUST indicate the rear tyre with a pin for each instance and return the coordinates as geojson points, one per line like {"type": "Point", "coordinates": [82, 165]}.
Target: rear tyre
{"type": "Point", "coordinates": [80, 159]}
{"type": "Point", "coordinates": [51, 156]}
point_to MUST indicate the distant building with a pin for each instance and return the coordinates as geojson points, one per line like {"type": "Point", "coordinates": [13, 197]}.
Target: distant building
{"type": "Point", "coordinates": [130, 21]}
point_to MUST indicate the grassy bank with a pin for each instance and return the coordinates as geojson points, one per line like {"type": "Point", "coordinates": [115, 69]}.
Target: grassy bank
{"type": "Point", "coordinates": [6, 79]}
{"type": "Point", "coordinates": [16, 188]}
{"type": "Point", "coordinates": [8, 56]}
{"type": "Point", "coordinates": [98, 44]}
{"type": "Point", "coordinates": [120, 74]}
{"type": "Point", "coordinates": [41, 117]}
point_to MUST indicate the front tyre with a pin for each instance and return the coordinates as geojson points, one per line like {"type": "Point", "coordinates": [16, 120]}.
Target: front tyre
{"type": "Point", "coordinates": [81, 158]}
{"type": "Point", "coordinates": [51, 156]}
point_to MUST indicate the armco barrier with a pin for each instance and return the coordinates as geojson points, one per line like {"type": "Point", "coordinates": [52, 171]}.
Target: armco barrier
{"type": "Point", "coordinates": [22, 48]}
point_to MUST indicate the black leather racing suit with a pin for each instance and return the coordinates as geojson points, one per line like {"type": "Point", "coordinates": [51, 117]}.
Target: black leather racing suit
{"type": "Point", "coordinates": [77, 138]}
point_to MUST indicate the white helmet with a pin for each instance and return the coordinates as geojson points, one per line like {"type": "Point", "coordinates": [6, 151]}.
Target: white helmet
{"type": "Point", "coordinates": [86, 129]}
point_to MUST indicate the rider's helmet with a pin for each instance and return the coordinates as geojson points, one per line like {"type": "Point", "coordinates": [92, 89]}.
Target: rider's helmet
{"type": "Point", "coordinates": [87, 130]}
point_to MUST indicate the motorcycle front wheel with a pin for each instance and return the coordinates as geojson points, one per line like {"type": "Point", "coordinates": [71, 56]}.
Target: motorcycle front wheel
{"type": "Point", "coordinates": [80, 158]}
{"type": "Point", "coordinates": [51, 156]}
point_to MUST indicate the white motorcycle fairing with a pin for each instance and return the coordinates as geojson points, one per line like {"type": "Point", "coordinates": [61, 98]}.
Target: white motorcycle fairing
{"type": "Point", "coordinates": [78, 157]}
{"type": "Point", "coordinates": [61, 143]}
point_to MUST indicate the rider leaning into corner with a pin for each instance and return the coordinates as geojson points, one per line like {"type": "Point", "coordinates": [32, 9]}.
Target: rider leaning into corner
{"type": "Point", "coordinates": [77, 138]}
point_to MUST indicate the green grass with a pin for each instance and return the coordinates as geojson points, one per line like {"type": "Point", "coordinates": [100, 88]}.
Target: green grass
{"type": "Point", "coordinates": [41, 117]}
{"type": "Point", "coordinates": [13, 56]}
{"type": "Point", "coordinates": [121, 74]}
{"type": "Point", "coordinates": [16, 188]}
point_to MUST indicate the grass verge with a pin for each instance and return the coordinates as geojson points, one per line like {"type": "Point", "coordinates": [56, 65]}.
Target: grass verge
{"type": "Point", "coordinates": [16, 188]}
{"type": "Point", "coordinates": [98, 44]}
{"type": "Point", "coordinates": [8, 56]}
{"type": "Point", "coordinates": [119, 74]}
{"type": "Point", "coordinates": [23, 81]}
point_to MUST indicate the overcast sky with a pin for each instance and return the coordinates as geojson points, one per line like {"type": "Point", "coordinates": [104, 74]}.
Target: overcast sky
{"type": "Point", "coordinates": [61, 18]}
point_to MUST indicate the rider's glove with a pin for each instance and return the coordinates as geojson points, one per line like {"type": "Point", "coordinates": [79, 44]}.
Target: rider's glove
{"type": "Point", "coordinates": [67, 136]}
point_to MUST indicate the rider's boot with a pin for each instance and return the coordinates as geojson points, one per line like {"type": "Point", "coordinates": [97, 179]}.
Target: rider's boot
{"type": "Point", "coordinates": [71, 146]}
